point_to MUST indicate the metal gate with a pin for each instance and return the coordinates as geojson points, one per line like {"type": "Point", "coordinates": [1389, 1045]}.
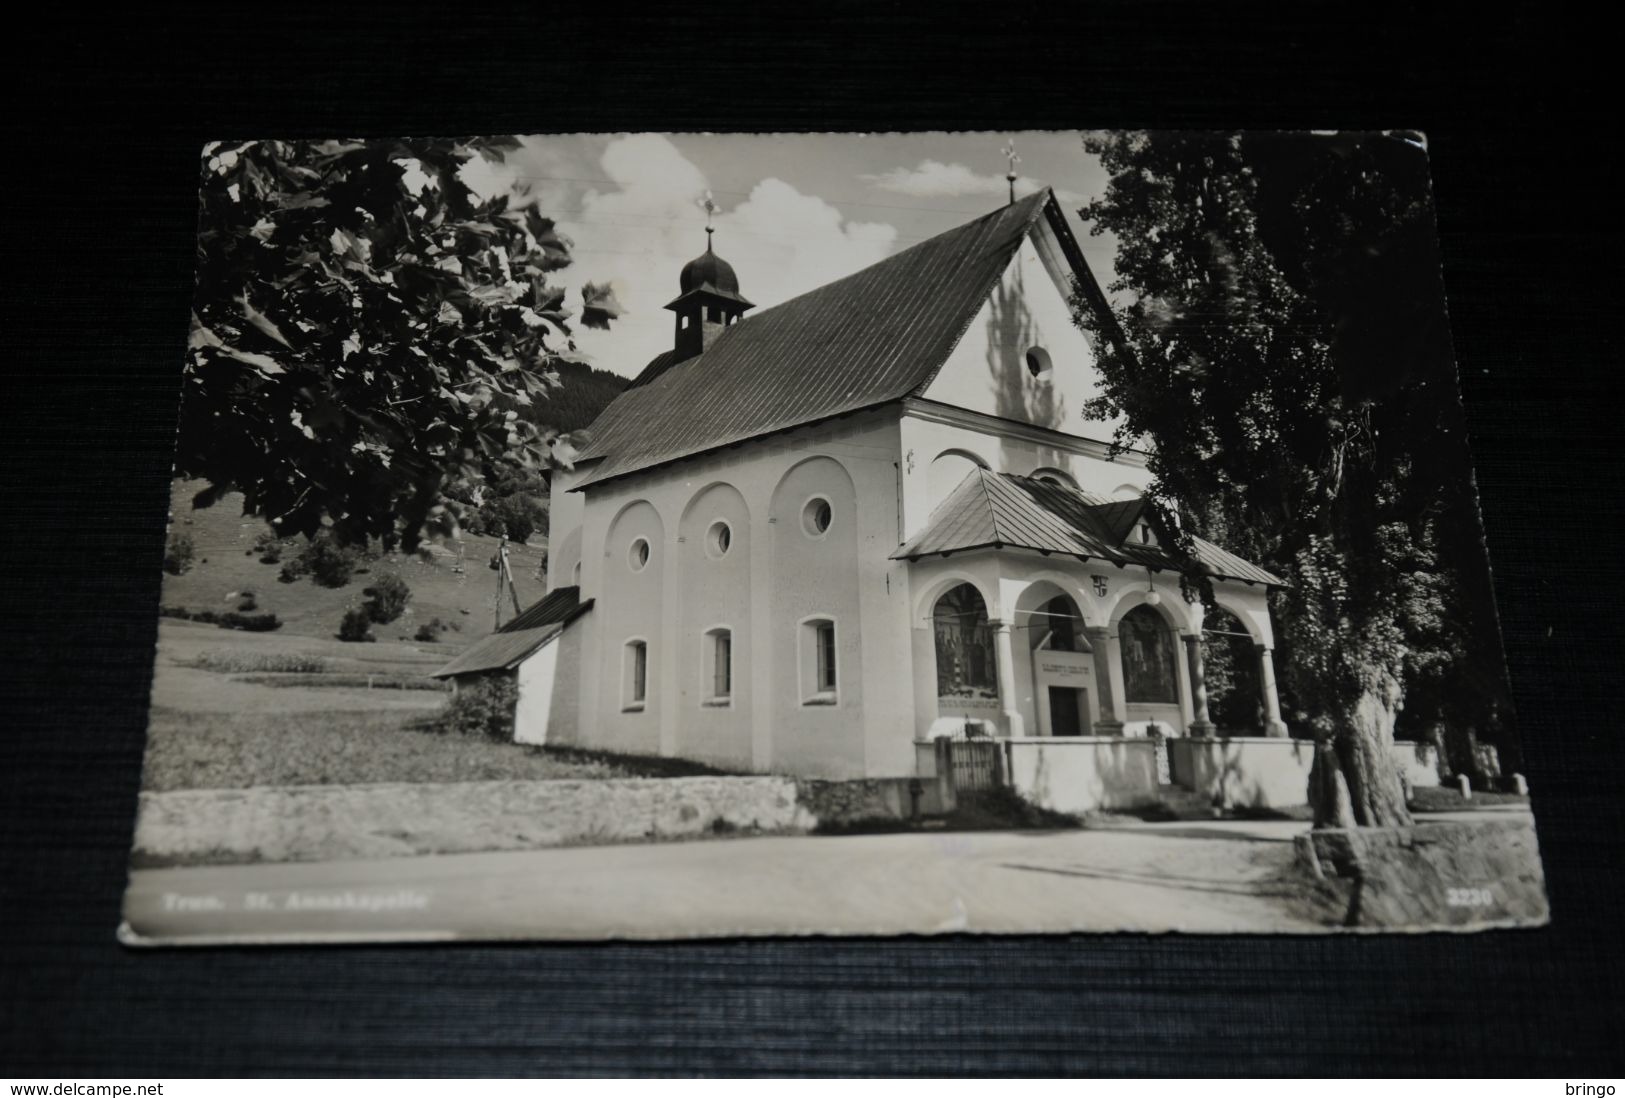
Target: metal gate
{"type": "Point", "coordinates": [977, 765]}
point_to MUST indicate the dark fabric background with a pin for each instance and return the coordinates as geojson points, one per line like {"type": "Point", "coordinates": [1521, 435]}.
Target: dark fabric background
{"type": "Point", "coordinates": [104, 118]}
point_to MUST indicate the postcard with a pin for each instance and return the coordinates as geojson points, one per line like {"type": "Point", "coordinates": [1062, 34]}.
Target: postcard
{"type": "Point", "coordinates": [634, 536]}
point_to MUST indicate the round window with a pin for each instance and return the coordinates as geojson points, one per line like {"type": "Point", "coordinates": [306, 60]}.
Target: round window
{"type": "Point", "coordinates": [1038, 363]}
{"type": "Point", "coordinates": [639, 554]}
{"type": "Point", "coordinates": [718, 539]}
{"type": "Point", "coordinates": [816, 517]}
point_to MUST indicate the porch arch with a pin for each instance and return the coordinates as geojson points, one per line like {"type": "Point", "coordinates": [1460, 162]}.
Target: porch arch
{"type": "Point", "coordinates": [925, 603]}
{"type": "Point", "coordinates": [1178, 619]}
{"type": "Point", "coordinates": [1073, 587]}
{"type": "Point", "coordinates": [1232, 675]}
{"type": "Point", "coordinates": [962, 641]}
{"type": "Point", "coordinates": [1058, 660]}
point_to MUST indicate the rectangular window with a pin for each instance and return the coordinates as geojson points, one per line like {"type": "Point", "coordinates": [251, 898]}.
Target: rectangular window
{"type": "Point", "coordinates": [722, 664]}
{"type": "Point", "coordinates": [636, 663]}
{"type": "Point", "coordinates": [826, 655]}
{"type": "Point", "coordinates": [817, 658]}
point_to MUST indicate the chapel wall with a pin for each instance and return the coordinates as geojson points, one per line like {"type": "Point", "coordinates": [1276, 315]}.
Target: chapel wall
{"type": "Point", "coordinates": [772, 578]}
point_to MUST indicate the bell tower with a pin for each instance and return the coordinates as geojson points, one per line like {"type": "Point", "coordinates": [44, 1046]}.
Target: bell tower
{"type": "Point", "coordinates": [709, 300]}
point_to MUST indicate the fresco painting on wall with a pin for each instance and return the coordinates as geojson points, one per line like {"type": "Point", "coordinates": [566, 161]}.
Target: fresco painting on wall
{"type": "Point", "coordinates": [1148, 658]}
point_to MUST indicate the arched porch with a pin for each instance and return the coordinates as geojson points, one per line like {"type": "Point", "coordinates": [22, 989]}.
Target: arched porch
{"type": "Point", "coordinates": [1016, 644]}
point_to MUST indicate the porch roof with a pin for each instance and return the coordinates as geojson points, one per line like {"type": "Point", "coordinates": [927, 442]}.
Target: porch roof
{"type": "Point", "coordinates": [516, 641]}
{"type": "Point", "coordinates": [997, 510]}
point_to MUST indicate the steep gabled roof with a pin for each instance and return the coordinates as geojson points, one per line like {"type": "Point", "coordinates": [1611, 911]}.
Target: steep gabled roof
{"type": "Point", "coordinates": [997, 510]}
{"type": "Point", "coordinates": [864, 340]}
{"type": "Point", "coordinates": [515, 642]}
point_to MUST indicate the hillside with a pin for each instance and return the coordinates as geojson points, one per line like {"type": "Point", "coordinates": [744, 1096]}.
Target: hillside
{"type": "Point", "coordinates": [226, 565]}
{"type": "Point", "coordinates": [582, 393]}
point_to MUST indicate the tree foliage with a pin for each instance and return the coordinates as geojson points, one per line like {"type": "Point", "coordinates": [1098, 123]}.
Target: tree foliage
{"type": "Point", "coordinates": [1280, 341]}
{"type": "Point", "coordinates": [179, 553]}
{"type": "Point", "coordinates": [387, 599]}
{"type": "Point", "coordinates": [368, 333]}
{"type": "Point", "coordinates": [356, 625]}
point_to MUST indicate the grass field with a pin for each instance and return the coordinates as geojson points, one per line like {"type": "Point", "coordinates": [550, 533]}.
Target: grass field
{"type": "Point", "coordinates": [238, 750]}
{"type": "Point", "coordinates": [234, 710]}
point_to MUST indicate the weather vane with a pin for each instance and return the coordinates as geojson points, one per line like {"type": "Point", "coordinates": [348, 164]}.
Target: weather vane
{"type": "Point", "coordinates": [709, 205]}
{"type": "Point", "coordinates": [1009, 151]}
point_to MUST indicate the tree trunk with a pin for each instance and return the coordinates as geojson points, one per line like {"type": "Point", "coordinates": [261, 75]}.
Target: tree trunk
{"type": "Point", "coordinates": [1354, 780]}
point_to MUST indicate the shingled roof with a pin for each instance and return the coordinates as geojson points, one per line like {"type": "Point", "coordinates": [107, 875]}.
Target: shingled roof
{"type": "Point", "coordinates": [998, 510]}
{"type": "Point", "coordinates": [864, 340]}
{"type": "Point", "coordinates": [513, 643]}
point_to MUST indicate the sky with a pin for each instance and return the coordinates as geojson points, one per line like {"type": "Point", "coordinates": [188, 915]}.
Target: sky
{"type": "Point", "coordinates": [794, 211]}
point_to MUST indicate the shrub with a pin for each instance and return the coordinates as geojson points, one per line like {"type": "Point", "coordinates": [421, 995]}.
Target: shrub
{"type": "Point", "coordinates": [178, 554]}
{"type": "Point", "coordinates": [357, 625]}
{"type": "Point", "coordinates": [329, 563]}
{"type": "Point", "coordinates": [387, 599]}
{"type": "Point", "coordinates": [483, 707]}
{"type": "Point", "coordinates": [247, 604]}
{"type": "Point", "coordinates": [430, 630]}
{"type": "Point", "coordinates": [250, 623]}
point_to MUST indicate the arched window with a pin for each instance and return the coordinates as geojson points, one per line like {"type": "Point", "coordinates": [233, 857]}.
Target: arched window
{"type": "Point", "coordinates": [1148, 658]}
{"type": "Point", "coordinates": [964, 642]}
{"type": "Point", "coordinates": [1054, 476]}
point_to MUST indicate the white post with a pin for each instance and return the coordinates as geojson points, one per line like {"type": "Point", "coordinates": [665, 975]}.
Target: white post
{"type": "Point", "coordinates": [1005, 660]}
{"type": "Point", "coordinates": [1273, 724]}
{"type": "Point", "coordinates": [1200, 725]}
{"type": "Point", "coordinates": [1114, 675]}
{"type": "Point", "coordinates": [1108, 687]}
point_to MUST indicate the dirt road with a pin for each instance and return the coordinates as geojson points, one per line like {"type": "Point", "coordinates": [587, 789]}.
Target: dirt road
{"type": "Point", "coordinates": [1219, 876]}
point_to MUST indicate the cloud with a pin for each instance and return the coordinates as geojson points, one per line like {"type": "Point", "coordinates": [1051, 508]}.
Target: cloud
{"type": "Point", "coordinates": [635, 222]}
{"type": "Point", "coordinates": [934, 179]}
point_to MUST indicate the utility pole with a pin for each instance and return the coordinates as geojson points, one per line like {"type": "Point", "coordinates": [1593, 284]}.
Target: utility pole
{"type": "Point", "coordinates": [507, 575]}
{"type": "Point", "coordinates": [502, 576]}
{"type": "Point", "coordinates": [504, 580]}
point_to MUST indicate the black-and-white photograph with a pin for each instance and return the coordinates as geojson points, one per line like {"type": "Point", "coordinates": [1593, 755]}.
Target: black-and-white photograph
{"type": "Point", "coordinates": [650, 535]}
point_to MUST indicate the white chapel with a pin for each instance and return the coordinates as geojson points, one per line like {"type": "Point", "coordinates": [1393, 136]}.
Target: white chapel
{"type": "Point", "coordinates": [810, 537]}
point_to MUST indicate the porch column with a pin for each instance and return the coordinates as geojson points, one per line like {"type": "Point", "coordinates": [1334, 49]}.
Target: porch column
{"type": "Point", "coordinates": [1004, 658]}
{"type": "Point", "coordinates": [1273, 724]}
{"type": "Point", "coordinates": [1104, 646]}
{"type": "Point", "coordinates": [1200, 725]}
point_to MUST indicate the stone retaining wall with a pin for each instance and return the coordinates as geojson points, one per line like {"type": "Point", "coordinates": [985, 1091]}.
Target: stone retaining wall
{"type": "Point", "coordinates": [331, 823]}
{"type": "Point", "coordinates": [870, 800]}
{"type": "Point", "coordinates": [1435, 874]}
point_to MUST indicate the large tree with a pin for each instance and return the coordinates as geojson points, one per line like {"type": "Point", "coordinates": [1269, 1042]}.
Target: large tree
{"type": "Point", "coordinates": [367, 334]}
{"type": "Point", "coordinates": [1279, 339]}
